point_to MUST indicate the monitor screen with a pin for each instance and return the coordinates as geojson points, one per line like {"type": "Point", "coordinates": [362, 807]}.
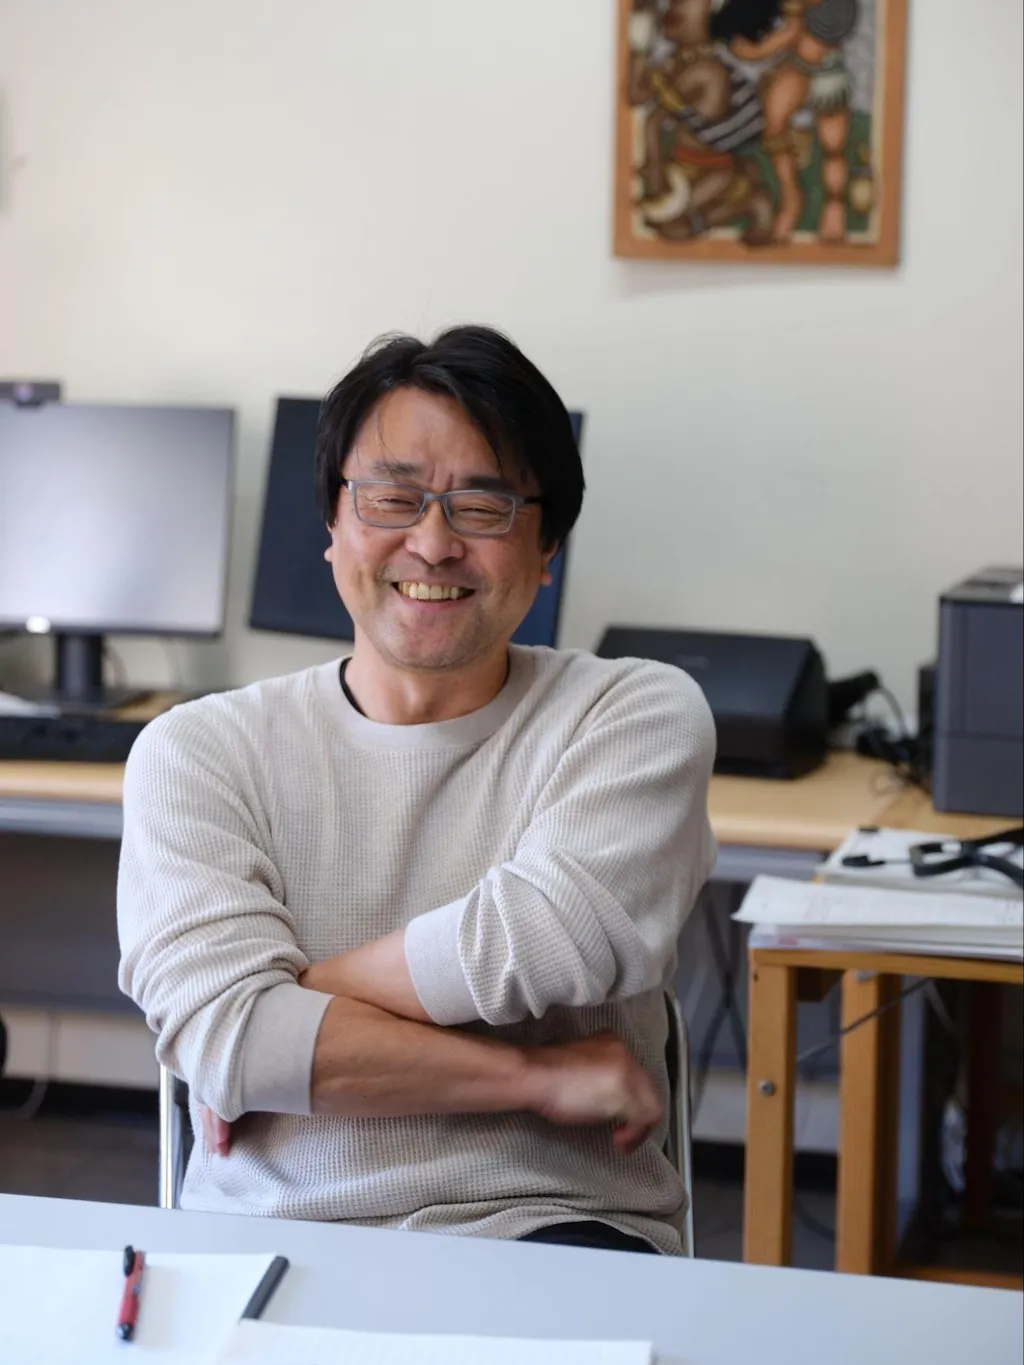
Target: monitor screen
{"type": "Point", "coordinates": [294, 591]}
{"type": "Point", "coordinates": [114, 519]}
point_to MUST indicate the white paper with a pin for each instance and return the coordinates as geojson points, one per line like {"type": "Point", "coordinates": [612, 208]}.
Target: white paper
{"type": "Point", "coordinates": [774, 900]}
{"type": "Point", "coordinates": [812, 940]}
{"type": "Point", "coordinates": [266, 1343]}
{"type": "Point", "coordinates": [59, 1307]}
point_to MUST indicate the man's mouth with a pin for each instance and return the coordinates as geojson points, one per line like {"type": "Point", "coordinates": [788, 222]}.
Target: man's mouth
{"type": "Point", "coordinates": [432, 592]}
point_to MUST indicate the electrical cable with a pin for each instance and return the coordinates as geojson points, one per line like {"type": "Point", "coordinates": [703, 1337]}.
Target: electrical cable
{"type": "Point", "coordinates": [31, 1106]}
{"type": "Point", "coordinates": [841, 1033]}
{"type": "Point", "coordinates": [117, 664]}
{"type": "Point", "coordinates": [902, 751]}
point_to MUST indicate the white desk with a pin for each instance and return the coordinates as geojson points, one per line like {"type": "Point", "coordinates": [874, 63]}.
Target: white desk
{"type": "Point", "coordinates": [696, 1312]}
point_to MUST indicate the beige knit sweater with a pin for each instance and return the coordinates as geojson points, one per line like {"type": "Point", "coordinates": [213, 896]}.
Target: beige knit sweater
{"type": "Point", "coordinates": [545, 851]}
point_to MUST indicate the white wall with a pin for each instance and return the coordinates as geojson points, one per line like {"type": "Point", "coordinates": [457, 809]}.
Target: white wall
{"type": "Point", "coordinates": [223, 200]}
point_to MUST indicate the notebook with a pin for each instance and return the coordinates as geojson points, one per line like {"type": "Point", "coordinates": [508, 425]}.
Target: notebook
{"type": "Point", "coordinates": [60, 1306]}
{"type": "Point", "coordinates": [264, 1343]}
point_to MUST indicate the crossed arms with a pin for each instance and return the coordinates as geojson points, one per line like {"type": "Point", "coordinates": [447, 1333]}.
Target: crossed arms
{"type": "Point", "coordinates": [588, 909]}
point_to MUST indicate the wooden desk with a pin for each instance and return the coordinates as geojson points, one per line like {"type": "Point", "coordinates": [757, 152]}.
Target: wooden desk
{"type": "Point", "coordinates": [71, 798]}
{"type": "Point", "coordinates": [812, 814]}
{"type": "Point", "coordinates": [869, 1088]}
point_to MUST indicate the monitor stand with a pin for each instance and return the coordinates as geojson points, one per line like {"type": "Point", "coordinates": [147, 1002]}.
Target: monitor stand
{"type": "Point", "coordinates": [79, 682]}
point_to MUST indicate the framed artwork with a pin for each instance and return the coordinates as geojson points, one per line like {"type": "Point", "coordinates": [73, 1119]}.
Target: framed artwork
{"type": "Point", "coordinates": [760, 130]}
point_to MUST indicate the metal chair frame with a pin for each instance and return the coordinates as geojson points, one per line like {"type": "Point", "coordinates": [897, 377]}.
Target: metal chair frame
{"type": "Point", "coordinates": [176, 1129]}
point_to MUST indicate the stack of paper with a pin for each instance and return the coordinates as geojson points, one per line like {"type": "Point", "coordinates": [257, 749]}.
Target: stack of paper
{"type": "Point", "coordinates": [264, 1343]}
{"type": "Point", "coordinates": [810, 914]}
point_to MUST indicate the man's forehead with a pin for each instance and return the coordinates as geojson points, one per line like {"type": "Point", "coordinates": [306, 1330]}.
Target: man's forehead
{"type": "Point", "coordinates": [412, 424]}
{"type": "Point", "coordinates": [427, 438]}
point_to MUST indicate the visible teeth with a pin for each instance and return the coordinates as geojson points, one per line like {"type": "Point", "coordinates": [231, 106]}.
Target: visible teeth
{"type": "Point", "coordinates": [431, 592]}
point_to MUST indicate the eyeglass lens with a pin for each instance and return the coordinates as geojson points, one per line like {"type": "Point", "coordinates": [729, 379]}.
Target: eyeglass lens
{"type": "Point", "coordinates": [395, 505]}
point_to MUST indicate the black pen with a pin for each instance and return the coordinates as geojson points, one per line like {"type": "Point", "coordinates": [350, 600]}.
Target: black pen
{"type": "Point", "coordinates": [263, 1292]}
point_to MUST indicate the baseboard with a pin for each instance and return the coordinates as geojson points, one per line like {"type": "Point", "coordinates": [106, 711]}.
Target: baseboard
{"type": "Point", "coordinates": [79, 1047]}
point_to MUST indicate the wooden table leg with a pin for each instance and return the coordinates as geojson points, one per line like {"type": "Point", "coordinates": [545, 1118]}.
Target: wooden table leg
{"type": "Point", "coordinates": [869, 1093]}
{"type": "Point", "coordinates": [771, 1084]}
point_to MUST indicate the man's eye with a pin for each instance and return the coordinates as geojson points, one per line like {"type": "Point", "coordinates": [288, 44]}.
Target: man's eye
{"type": "Point", "coordinates": [395, 504]}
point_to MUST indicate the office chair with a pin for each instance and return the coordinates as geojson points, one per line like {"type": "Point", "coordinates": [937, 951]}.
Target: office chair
{"type": "Point", "coordinates": [176, 1130]}
{"type": "Point", "coordinates": [176, 1138]}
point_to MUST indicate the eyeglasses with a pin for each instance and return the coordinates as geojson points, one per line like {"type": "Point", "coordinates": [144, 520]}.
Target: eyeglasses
{"type": "Point", "coordinates": [468, 511]}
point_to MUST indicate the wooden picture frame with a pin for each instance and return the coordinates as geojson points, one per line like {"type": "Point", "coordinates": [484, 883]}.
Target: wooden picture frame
{"type": "Point", "coordinates": [761, 131]}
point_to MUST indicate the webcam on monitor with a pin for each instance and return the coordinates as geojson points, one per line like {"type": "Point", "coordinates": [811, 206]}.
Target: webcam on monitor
{"type": "Point", "coordinates": [29, 393]}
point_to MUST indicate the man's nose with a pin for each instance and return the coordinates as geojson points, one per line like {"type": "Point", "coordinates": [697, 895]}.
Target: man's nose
{"type": "Point", "coordinates": [432, 539]}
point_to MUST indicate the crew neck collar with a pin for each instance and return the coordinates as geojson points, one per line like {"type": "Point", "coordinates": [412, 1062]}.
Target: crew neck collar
{"type": "Point", "coordinates": [463, 731]}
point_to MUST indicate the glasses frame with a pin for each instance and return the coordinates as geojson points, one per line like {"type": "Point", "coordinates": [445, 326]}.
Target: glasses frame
{"type": "Point", "coordinates": [517, 499]}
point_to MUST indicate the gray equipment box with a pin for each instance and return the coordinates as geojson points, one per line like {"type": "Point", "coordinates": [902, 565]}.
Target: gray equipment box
{"type": "Point", "coordinates": [978, 760]}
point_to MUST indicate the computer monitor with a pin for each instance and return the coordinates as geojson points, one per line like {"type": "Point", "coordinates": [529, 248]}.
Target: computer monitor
{"type": "Point", "coordinates": [112, 519]}
{"type": "Point", "coordinates": [294, 591]}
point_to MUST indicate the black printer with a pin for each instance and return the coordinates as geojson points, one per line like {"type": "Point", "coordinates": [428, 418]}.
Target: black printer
{"type": "Point", "coordinates": [978, 739]}
{"type": "Point", "coordinates": [767, 693]}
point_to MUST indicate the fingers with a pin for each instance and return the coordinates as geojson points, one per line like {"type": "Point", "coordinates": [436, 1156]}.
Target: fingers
{"type": "Point", "coordinates": [216, 1132]}
{"type": "Point", "coordinates": [629, 1137]}
{"type": "Point", "coordinates": [636, 1124]}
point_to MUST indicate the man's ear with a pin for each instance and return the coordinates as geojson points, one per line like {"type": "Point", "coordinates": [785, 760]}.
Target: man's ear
{"type": "Point", "coordinates": [548, 556]}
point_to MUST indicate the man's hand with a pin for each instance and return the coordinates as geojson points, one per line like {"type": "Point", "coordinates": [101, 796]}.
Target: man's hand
{"type": "Point", "coordinates": [595, 1080]}
{"type": "Point", "coordinates": [216, 1132]}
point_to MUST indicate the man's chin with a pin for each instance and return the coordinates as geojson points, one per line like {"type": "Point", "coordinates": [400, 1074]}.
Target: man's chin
{"type": "Point", "coordinates": [420, 655]}
{"type": "Point", "coordinates": [434, 661]}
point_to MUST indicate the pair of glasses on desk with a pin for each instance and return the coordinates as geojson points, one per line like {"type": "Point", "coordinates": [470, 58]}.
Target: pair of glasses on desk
{"type": "Point", "coordinates": [937, 857]}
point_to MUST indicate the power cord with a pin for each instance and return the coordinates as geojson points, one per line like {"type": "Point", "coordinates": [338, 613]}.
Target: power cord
{"type": "Point", "coordinates": [841, 1033]}
{"type": "Point", "coordinates": [907, 754]}
{"type": "Point", "coordinates": [117, 665]}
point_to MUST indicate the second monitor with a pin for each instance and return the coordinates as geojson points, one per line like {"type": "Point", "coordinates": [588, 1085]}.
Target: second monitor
{"type": "Point", "coordinates": [294, 591]}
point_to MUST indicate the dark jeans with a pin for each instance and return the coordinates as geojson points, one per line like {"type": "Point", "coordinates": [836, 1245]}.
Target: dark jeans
{"type": "Point", "coordinates": [589, 1233]}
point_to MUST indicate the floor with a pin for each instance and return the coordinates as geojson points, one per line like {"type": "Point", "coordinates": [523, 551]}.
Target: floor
{"type": "Point", "coordinates": [95, 1144]}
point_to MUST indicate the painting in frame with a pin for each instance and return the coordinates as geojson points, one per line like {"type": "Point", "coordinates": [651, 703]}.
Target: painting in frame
{"type": "Point", "coordinates": [760, 130]}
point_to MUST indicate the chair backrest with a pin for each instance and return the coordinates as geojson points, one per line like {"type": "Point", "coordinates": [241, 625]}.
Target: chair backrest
{"type": "Point", "coordinates": [176, 1129]}
{"type": "Point", "coordinates": [175, 1137]}
{"type": "Point", "coordinates": [679, 1142]}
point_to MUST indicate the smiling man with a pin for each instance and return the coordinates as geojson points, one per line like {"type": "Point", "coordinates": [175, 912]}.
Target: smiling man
{"type": "Point", "coordinates": [403, 922]}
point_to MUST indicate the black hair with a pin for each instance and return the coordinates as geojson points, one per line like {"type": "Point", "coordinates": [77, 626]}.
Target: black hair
{"type": "Point", "coordinates": [503, 394]}
{"type": "Point", "coordinates": [750, 19]}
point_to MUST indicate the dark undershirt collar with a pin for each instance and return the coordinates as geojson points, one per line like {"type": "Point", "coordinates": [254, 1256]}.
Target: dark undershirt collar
{"type": "Point", "coordinates": [350, 697]}
{"type": "Point", "coordinates": [347, 690]}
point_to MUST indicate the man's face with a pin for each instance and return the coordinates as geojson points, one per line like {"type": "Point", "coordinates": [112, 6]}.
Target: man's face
{"type": "Point", "coordinates": [427, 441]}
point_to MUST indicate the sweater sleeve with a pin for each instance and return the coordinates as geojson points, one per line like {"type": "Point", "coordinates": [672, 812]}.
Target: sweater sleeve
{"type": "Point", "coordinates": [208, 949]}
{"type": "Point", "coordinates": [591, 905]}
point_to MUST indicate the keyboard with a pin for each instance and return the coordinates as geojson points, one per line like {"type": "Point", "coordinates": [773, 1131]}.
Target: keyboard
{"type": "Point", "coordinates": [79, 738]}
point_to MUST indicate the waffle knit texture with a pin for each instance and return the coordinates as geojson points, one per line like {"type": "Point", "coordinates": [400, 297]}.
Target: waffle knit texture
{"type": "Point", "coordinates": [543, 853]}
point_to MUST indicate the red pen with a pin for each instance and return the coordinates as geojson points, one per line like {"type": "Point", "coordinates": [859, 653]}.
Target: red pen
{"type": "Point", "coordinates": [128, 1314]}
